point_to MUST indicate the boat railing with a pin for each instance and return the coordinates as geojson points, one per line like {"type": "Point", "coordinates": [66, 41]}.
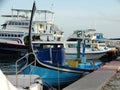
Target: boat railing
{"type": "Point", "coordinates": [27, 64]}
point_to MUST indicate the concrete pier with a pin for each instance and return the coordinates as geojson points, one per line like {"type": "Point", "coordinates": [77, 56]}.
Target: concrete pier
{"type": "Point", "coordinates": [96, 79]}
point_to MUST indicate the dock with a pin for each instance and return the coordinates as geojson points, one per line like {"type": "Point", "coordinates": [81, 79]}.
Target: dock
{"type": "Point", "coordinates": [96, 79]}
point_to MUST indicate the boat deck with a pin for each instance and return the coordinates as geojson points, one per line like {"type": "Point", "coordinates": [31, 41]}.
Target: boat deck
{"type": "Point", "coordinates": [96, 79]}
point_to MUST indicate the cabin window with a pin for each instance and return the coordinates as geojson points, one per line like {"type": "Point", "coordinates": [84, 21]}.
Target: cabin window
{"type": "Point", "coordinates": [18, 35]}
{"type": "Point", "coordinates": [16, 23]}
{"type": "Point", "coordinates": [88, 45]}
{"type": "Point", "coordinates": [41, 26]}
{"type": "Point", "coordinates": [21, 35]}
{"type": "Point", "coordinates": [26, 23]}
{"type": "Point", "coordinates": [5, 34]}
{"type": "Point", "coordinates": [19, 23]}
{"type": "Point", "coordinates": [12, 23]}
{"type": "Point", "coordinates": [8, 35]}
{"type": "Point", "coordinates": [36, 44]}
{"type": "Point", "coordinates": [9, 23]}
{"type": "Point", "coordinates": [12, 35]}
{"type": "Point", "coordinates": [72, 45]}
{"type": "Point", "coordinates": [15, 35]}
{"type": "Point", "coordinates": [22, 23]}
{"type": "Point", "coordinates": [2, 34]}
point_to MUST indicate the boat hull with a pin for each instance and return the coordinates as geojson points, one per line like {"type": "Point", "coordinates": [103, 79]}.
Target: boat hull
{"type": "Point", "coordinates": [11, 51]}
{"type": "Point", "coordinates": [89, 56]}
{"type": "Point", "coordinates": [54, 78]}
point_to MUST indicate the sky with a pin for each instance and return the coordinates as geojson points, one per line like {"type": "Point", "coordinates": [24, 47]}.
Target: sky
{"type": "Point", "coordinates": [71, 15]}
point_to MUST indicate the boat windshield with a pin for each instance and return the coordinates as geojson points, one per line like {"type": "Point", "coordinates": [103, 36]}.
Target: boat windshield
{"type": "Point", "coordinates": [72, 45]}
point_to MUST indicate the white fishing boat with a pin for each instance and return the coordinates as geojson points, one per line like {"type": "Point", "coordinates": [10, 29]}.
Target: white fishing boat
{"type": "Point", "coordinates": [90, 54]}
{"type": "Point", "coordinates": [90, 48]}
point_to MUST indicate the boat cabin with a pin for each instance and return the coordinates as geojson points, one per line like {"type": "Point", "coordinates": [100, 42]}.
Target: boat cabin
{"type": "Point", "coordinates": [50, 52]}
{"type": "Point", "coordinates": [43, 24]}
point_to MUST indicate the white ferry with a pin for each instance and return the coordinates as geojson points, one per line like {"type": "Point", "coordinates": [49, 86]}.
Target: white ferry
{"type": "Point", "coordinates": [14, 32]}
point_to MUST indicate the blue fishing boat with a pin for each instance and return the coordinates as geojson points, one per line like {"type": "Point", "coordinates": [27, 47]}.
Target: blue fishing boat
{"type": "Point", "coordinates": [51, 65]}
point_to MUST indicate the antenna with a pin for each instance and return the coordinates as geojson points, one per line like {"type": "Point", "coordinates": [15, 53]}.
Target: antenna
{"type": "Point", "coordinates": [53, 15]}
{"type": "Point", "coordinates": [12, 8]}
{"type": "Point", "coordinates": [52, 6]}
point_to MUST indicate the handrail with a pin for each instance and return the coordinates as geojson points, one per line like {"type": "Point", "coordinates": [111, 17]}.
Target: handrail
{"type": "Point", "coordinates": [25, 66]}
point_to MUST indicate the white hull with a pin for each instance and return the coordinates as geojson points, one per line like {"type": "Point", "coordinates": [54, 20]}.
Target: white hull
{"type": "Point", "coordinates": [89, 54]}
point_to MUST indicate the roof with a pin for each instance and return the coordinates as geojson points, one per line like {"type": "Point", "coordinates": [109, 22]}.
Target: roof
{"type": "Point", "coordinates": [114, 39]}
{"type": "Point", "coordinates": [29, 11]}
{"type": "Point", "coordinates": [13, 16]}
{"type": "Point", "coordinates": [49, 42]}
